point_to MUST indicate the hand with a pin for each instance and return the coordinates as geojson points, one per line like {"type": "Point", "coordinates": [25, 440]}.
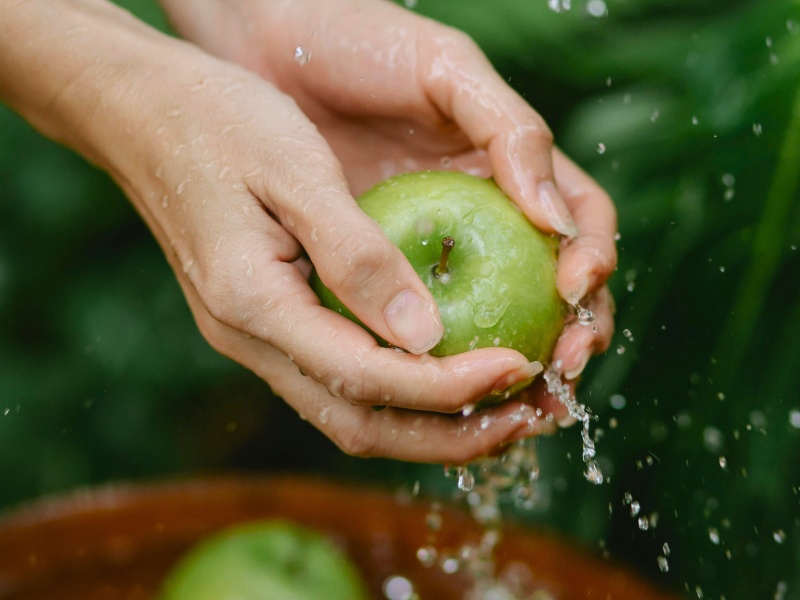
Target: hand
{"type": "Point", "coordinates": [391, 92]}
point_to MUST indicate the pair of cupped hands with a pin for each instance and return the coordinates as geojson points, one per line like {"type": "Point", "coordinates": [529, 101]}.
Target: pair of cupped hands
{"type": "Point", "coordinates": [244, 162]}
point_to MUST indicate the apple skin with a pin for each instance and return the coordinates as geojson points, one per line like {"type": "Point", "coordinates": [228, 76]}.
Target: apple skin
{"type": "Point", "coordinates": [500, 285]}
{"type": "Point", "coordinates": [265, 561]}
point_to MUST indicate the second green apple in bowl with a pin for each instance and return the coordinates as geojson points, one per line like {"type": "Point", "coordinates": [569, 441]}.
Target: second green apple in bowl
{"type": "Point", "coordinates": [497, 284]}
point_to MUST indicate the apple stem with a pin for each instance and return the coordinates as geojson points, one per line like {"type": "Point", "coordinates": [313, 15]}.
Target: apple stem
{"type": "Point", "coordinates": [447, 247]}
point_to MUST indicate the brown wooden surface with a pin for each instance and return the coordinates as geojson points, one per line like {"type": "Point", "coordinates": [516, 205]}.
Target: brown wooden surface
{"type": "Point", "coordinates": [117, 542]}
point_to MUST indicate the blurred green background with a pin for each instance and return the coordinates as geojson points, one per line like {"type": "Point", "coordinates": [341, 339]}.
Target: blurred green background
{"type": "Point", "coordinates": [687, 112]}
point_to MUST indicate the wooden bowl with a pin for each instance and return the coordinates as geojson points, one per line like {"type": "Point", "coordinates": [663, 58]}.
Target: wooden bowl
{"type": "Point", "coordinates": [118, 542]}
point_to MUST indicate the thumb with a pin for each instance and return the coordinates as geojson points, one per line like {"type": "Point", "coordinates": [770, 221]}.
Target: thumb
{"type": "Point", "coordinates": [353, 257]}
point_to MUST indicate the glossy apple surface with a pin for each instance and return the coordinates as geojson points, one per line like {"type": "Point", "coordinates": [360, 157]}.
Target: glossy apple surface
{"type": "Point", "coordinates": [500, 285]}
{"type": "Point", "coordinates": [265, 561]}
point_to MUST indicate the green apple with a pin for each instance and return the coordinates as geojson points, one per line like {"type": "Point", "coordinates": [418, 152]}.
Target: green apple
{"type": "Point", "coordinates": [265, 561]}
{"type": "Point", "coordinates": [497, 286]}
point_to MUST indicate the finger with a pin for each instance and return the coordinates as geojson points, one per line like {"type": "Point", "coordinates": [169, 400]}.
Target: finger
{"type": "Point", "coordinates": [403, 434]}
{"type": "Point", "coordinates": [464, 86]}
{"type": "Point", "coordinates": [578, 342]}
{"type": "Point", "coordinates": [586, 261]}
{"type": "Point", "coordinates": [546, 405]}
{"type": "Point", "coordinates": [352, 256]}
{"type": "Point", "coordinates": [255, 285]}
{"type": "Point", "coordinates": [392, 433]}
{"type": "Point", "coordinates": [350, 364]}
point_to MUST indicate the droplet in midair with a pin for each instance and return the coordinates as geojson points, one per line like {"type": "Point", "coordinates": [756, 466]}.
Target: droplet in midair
{"type": "Point", "coordinates": [559, 5]}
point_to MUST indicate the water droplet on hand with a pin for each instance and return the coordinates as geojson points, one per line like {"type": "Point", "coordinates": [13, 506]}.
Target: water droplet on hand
{"type": "Point", "coordinates": [585, 316]}
{"type": "Point", "coordinates": [302, 56]}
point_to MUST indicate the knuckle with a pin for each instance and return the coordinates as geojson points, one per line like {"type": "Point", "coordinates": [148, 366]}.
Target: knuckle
{"type": "Point", "coordinates": [367, 258]}
{"type": "Point", "coordinates": [357, 440]}
{"type": "Point", "coordinates": [536, 131]}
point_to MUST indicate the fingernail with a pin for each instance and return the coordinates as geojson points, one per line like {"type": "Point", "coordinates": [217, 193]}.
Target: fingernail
{"type": "Point", "coordinates": [583, 358]}
{"type": "Point", "coordinates": [555, 209]}
{"type": "Point", "coordinates": [522, 374]}
{"type": "Point", "coordinates": [579, 292]}
{"type": "Point", "coordinates": [413, 322]}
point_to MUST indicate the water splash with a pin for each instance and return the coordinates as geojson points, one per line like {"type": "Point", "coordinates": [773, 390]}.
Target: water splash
{"type": "Point", "coordinates": [557, 388]}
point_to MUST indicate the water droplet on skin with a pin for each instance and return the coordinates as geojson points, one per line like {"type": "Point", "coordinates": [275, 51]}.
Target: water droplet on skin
{"type": "Point", "coordinates": [302, 56]}
{"type": "Point", "coordinates": [468, 410]}
{"type": "Point", "coordinates": [446, 162]}
{"type": "Point", "coordinates": [164, 201]}
{"type": "Point", "coordinates": [601, 148]}
{"type": "Point", "coordinates": [324, 415]}
{"type": "Point", "coordinates": [585, 316]}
